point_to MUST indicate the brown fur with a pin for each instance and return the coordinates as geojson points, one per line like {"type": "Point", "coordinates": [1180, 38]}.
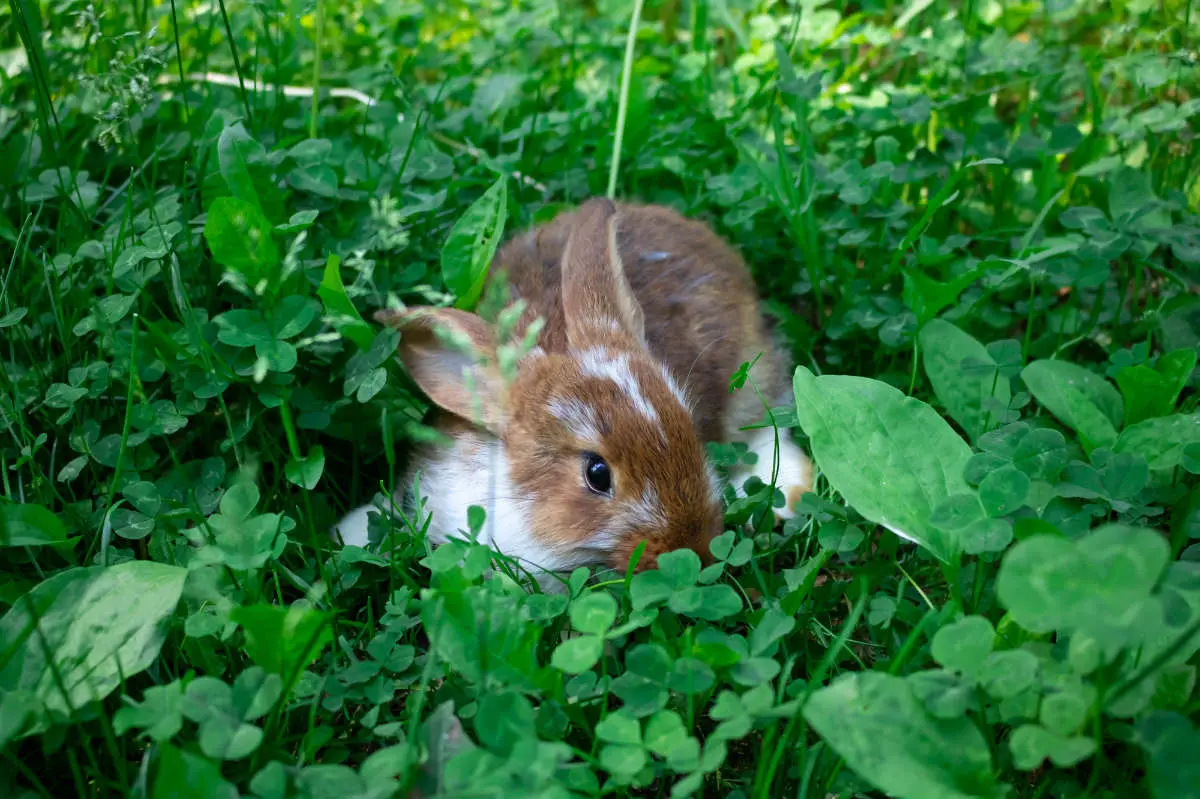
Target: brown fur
{"type": "Point", "coordinates": [671, 296]}
{"type": "Point", "coordinates": [699, 304]}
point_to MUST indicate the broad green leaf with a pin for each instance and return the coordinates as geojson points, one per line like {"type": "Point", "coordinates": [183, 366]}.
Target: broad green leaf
{"type": "Point", "coordinates": [306, 473]}
{"type": "Point", "coordinates": [12, 317]}
{"type": "Point", "coordinates": [875, 722]}
{"type": "Point", "coordinates": [239, 236]}
{"type": "Point", "coordinates": [468, 251]}
{"type": "Point", "coordinates": [30, 525]}
{"type": "Point", "coordinates": [100, 625]}
{"type": "Point", "coordinates": [344, 316]}
{"type": "Point", "coordinates": [236, 150]}
{"type": "Point", "coordinates": [891, 456]}
{"type": "Point", "coordinates": [1152, 392]}
{"type": "Point", "coordinates": [1161, 441]}
{"type": "Point", "coordinates": [16, 707]}
{"type": "Point", "coordinates": [283, 640]}
{"type": "Point", "coordinates": [1080, 398]}
{"type": "Point", "coordinates": [964, 376]}
{"type": "Point", "coordinates": [1099, 582]}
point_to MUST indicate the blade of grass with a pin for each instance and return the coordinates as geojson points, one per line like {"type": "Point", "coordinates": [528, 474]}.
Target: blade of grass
{"type": "Point", "coordinates": [623, 101]}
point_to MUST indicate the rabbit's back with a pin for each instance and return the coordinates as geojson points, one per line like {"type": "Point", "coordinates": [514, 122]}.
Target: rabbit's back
{"type": "Point", "coordinates": [697, 296]}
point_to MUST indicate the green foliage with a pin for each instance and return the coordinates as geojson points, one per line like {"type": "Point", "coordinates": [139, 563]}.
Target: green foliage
{"type": "Point", "coordinates": [975, 225]}
{"type": "Point", "coordinates": [892, 457]}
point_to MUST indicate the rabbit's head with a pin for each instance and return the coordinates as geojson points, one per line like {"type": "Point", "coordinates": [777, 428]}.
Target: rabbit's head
{"type": "Point", "coordinates": [600, 448]}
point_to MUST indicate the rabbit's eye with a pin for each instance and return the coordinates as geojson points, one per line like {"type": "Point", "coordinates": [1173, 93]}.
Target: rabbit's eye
{"type": "Point", "coordinates": [596, 473]}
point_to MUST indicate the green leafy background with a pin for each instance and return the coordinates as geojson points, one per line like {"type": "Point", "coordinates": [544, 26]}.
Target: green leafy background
{"type": "Point", "coordinates": [974, 225]}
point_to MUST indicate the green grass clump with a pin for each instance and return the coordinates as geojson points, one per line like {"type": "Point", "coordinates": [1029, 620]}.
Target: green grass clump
{"type": "Point", "coordinates": [975, 224]}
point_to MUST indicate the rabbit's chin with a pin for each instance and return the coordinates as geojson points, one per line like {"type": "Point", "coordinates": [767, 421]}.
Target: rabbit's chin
{"type": "Point", "coordinates": [451, 479]}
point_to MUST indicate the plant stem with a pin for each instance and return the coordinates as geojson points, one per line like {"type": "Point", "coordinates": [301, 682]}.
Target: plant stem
{"type": "Point", "coordinates": [318, 36]}
{"type": "Point", "coordinates": [623, 101]}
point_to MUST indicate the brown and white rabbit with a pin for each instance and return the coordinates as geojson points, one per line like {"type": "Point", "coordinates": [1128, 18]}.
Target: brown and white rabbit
{"type": "Point", "coordinates": [597, 444]}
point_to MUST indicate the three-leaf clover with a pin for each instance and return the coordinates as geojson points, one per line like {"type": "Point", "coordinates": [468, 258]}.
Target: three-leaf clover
{"type": "Point", "coordinates": [243, 540]}
{"type": "Point", "coordinates": [159, 715]}
{"type": "Point", "coordinates": [674, 582]}
{"type": "Point", "coordinates": [593, 616]}
{"type": "Point", "coordinates": [223, 712]}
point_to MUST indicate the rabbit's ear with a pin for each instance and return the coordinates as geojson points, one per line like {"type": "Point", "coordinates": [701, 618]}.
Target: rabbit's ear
{"type": "Point", "coordinates": [451, 355]}
{"type": "Point", "coordinates": [598, 301]}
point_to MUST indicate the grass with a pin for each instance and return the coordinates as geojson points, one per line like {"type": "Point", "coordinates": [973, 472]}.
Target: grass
{"type": "Point", "coordinates": [975, 225]}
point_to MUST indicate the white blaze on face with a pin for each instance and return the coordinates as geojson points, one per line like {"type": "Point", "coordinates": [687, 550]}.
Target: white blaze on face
{"type": "Point", "coordinates": [577, 416]}
{"type": "Point", "coordinates": [597, 362]}
{"type": "Point", "coordinates": [674, 388]}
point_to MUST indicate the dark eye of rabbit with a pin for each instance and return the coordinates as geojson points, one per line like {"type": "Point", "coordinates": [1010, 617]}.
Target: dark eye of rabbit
{"type": "Point", "coordinates": [596, 473]}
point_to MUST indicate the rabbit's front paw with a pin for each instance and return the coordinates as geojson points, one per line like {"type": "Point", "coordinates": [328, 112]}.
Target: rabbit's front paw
{"type": "Point", "coordinates": [353, 526]}
{"type": "Point", "coordinates": [795, 474]}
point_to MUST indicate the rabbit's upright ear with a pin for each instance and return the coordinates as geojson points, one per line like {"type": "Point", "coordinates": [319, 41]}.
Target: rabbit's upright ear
{"type": "Point", "coordinates": [598, 301]}
{"type": "Point", "coordinates": [451, 355]}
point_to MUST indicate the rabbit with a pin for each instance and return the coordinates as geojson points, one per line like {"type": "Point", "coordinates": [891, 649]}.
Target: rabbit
{"type": "Point", "coordinates": [598, 442]}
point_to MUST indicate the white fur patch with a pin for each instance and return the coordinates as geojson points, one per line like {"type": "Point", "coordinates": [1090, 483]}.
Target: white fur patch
{"type": "Point", "coordinates": [353, 527]}
{"type": "Point", "coordinates": [475, 472]}
{"type": "Point", "coordinates": [644, 512]}
{"type": "Point", "coordinates": [714, 483]}
{"type": "Point", "coordinates": [795, 469]}
{"type": "Point", "coordinates": [597, 362]}
{"type": "Point", "coordinates": [579, 417]}
{"type": "Point", "coordinates": [675, 389]}
{"type": "Point", "coordinates": [647, 510]}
